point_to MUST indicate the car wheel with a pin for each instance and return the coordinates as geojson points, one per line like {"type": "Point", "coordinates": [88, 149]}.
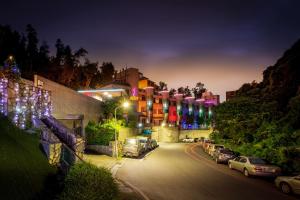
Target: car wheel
{"type": "Point", "coordinates": [285, 188]}
{"type": "Point", "coordinates": [230, 166]}
{"type": "Point", "coordinates": [246, 173]}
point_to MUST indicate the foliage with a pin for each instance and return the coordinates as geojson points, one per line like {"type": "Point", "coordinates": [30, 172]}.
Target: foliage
{"type": "Point", "coordinates": [108, 71]}
{"type": "Point", "coordinates": [68, 67]}
{"type": "Point", "coordinates": [198, 90]}
{"type": "Point", "coordinates": [263, 120]}
{"type": "Point", "coordinates": [88, 182]}
{"type": "Point", "coordinates": [172, 92]}
{"type": "Point", "coordinates": [102, 133]}
{"type": "Point", "coordinates": [162, 86]}
{"type": "Point", "coordinates": [108, 107]}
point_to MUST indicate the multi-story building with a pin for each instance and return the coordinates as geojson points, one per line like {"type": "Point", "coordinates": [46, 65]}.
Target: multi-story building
{"type": "Point", "coordinates": [154, 107]}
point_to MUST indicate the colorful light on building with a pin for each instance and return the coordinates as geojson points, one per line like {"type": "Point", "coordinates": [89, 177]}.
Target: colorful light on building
{"type": "Point", "coordinates": [3, 96]}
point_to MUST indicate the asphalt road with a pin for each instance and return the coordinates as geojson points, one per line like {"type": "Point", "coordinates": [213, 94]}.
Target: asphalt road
{"type": "Point", "coordinates": [184, 172]}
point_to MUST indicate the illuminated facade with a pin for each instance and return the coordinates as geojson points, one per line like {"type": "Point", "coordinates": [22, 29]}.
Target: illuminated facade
{"type": "Point", "coordinates": [154, 107]}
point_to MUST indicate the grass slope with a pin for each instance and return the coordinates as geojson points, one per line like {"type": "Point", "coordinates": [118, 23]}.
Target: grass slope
{"type": "Point", "coordinates": [23, 167]}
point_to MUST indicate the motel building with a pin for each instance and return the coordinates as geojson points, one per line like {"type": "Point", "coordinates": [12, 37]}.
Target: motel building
{"type": "Point", "coordinates": [154, 107]}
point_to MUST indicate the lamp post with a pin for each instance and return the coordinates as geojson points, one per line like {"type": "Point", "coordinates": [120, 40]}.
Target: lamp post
{"type": "Point", "coordinates": [124, 105]}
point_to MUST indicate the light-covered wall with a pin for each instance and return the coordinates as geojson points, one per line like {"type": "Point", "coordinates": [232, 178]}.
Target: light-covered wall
{"type": "Point", "coordinates": [67, 101]}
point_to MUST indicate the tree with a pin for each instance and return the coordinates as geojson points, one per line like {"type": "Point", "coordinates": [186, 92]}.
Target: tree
{"type": "Point", "coordinates": [162, 86]}
{"type": "Point", "coordinates": [107, 72]}
{"type": "Point", "coordinates": [172, 92]}
{"type": "Point", "coordinates": [60, 48]}
{"type": "Point", "coordinates": [89, 70]}
{"type": "Point", "coordinates": [43, 58]}
{"type": "Point", "coordinates": [180, 90]}
{"type": "Point", "coordinates": [187, 91]}
{"type": "Point", "coordinates": [32, 48]}
{"type": "Point", "coordinates": [198, 90]}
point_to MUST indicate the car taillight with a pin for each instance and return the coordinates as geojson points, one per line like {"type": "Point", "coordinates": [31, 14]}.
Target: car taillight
{"type": "Point", "coordinates": [257, 168]}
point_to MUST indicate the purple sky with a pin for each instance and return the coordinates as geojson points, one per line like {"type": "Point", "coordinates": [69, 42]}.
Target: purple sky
{"type": "Point", "coordinates": [220, 43]}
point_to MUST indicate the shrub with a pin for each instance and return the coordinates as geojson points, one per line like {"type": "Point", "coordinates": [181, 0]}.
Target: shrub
{"type": "Point", "coordinates": [100, 134]}
{"type": "Point", "coordinates": [85, 181]}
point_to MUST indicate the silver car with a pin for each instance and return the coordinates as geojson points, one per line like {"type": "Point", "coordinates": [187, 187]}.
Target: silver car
{"type": "Point", "coordinates": [252, 166]}
{"type": "Point", "coordinates": [146, 143]}
{"type": "Point", "coordinates": [132, 147]}
{"type": "Point", "coordinates": [288, 184]}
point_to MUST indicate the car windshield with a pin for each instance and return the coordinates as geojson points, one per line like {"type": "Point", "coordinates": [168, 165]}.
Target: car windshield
{"type": "Point", "coordinates": [143, 140]}
{"type": "Point", "coordinates": [257, 161]}
{"type": "Point", "coordinates": [130, 141]}
{"type": "Point", "coordinates": [226, 151]}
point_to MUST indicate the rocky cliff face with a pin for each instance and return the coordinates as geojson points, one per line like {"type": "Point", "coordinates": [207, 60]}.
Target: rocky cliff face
{"type": "Point", "coordinates": [280, 82]}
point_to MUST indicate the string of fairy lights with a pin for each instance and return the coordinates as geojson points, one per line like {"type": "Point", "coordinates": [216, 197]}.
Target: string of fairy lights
{"type": "Point", "coordinates": [21, 102]}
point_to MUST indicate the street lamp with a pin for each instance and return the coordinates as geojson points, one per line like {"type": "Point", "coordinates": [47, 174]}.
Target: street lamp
{"type": "Point", "coordinates": [124, 105]}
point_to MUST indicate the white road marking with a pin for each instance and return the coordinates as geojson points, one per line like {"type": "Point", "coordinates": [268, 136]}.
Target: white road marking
{"type": "Point", "coordinates": [137, 190]}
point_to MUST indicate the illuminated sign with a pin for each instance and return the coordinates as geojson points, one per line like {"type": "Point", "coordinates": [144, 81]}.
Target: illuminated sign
{"type": "Point", "coordinates": [134, 91]}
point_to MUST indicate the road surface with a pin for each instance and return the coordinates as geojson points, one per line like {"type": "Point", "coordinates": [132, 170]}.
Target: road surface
{"type": "Point", "coordinates": [184, 172]}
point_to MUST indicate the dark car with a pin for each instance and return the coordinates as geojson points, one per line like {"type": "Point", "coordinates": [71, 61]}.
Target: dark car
{"type": "Point", "coordinates": [153, 144]}
{"type": "Point", "coordinates": [223, 155]}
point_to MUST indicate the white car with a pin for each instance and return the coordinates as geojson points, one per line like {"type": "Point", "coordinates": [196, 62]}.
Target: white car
{"type": "Point", "coordinates": [252, 166]}
{"type": "Point", "coordinates": [189, 140]}
{"type": "Point", "coordinates": [288, 184]}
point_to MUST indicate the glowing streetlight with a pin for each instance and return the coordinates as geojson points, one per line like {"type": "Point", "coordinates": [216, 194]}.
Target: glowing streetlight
{"type": "Point", "coordinates": [125, 105]}
{"type": "Point", "coordinates": [140, 125]}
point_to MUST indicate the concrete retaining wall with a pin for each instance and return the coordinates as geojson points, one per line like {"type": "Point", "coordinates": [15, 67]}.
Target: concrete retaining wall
{"type": "Point", "coordinates": [101, 149]}
{"type": "Point", "coordinates": [194, 133]}
{"type": "Point", "coordinates": [172, 134]}
{"type": "Point", "coordinates": [67, 101]}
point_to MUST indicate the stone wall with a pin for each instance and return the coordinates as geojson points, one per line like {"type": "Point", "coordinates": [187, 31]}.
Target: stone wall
{"type": "Point", "coordinates": [165, 134]}
{"type": "Point", "coordinates": [172, 134]}
{"type": "Point", "coordinates": [194, 133]}
{"type": "Point", "coordinates": [101, 149]}
{"type": "Point", "coordinates": [67, 101]}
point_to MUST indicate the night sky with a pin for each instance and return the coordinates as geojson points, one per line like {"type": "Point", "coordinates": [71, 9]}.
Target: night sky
{"type": "Point", "coordinates": [220, 43]}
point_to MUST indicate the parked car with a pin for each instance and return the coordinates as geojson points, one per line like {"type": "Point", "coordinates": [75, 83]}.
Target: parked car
{"type": "Point", "coordinates": [146, 144]}
{"type": "Point", "coordinates": [153, 144]}
{"type": "Point", "coordinates": [252, 166]}
{"type": "Point", "coordinates": [206, 143]}
{"type": "Point", "coordinates": [223, 155]}
{"type": "Point", "coordinates": [196, 139]}
{"type": "Point", "coordinates": [188, 140]}
{"type": "Point", "coordinates": [206, 149]}
{"type": "Point", "coordinates": [132, 147]}
{"type": "Point", "coordinates": [288, 184]}
{"type": "Point", "coordinates": [213, 147]}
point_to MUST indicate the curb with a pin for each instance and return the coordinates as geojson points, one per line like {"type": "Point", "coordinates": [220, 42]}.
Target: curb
{"type": "Point", "coordinates": [114, 169]}
{"type": "Point", "coordinates": [135, 189]}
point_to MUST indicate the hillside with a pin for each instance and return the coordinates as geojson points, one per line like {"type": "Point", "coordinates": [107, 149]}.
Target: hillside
{"type": "Point", "coordinates": [264, 118]}
{"type": "Point", "coordinates": [24, 169]}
